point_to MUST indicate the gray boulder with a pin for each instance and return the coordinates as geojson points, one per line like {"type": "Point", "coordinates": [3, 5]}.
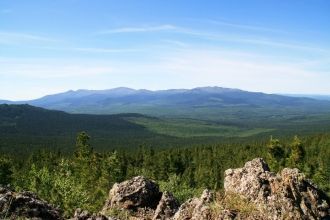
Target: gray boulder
{"type": "Point", "coordinates": [167, 206]}
{"type": "Point", "coordinates": [25, 205]}
{"type": "Point", "coordinates": [138, 192]}
{"type": "Point", "coordinates": [196, 208]}
{"type": "Point", "coordinates": [287, 195]}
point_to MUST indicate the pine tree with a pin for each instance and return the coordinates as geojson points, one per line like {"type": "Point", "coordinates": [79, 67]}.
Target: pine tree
{"type": "Point", "coordinates": [5, 170]}
{"type": "Point", "coordinates": [297, 153]}
{"type": "Point", "coordinates": [83, 148]}
{"type": "Point", "coordinates": [275, 154]}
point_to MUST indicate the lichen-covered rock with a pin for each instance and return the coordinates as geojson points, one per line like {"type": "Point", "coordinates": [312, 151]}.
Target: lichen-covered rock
{"type": "Point", "coordinates": [227, 214]}
{"type": "Point", "coordinates": [287, 195]}
{"type": "Point", "coordinates": [85, 215]}
{"type": "Point", "coordinates": [167, 206]}
{"type": "Point", "coordinates": [25, 205]}
{"type": "Point", "coordinates": [138, 192]}
{"type": "Point", "coordinates": [236, 215]}
{"type": "Point", "coordinates": [196, 208]}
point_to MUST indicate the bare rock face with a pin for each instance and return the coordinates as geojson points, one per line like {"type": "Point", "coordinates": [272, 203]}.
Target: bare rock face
{"type": "Point", "coordinates": [287, 195]}
{"type": "Point", "coordinates": [196, 208]}
{"type": "Point", "coordinates": [138, 192]}
{"type": "Point", "coordinates": [25, 205]}
{"type": "Point", "coordinates": [167, 206]}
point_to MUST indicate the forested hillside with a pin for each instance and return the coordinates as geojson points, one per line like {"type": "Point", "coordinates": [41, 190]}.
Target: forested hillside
{"type": "Point", "coordinates": [24, 128]}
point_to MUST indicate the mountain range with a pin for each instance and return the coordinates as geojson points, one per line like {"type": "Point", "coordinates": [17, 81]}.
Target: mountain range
{"type": "Point", "coordinates": [174, 102]}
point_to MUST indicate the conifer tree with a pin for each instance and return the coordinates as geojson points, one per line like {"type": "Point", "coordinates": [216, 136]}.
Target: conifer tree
{"type": "Point", "coordinates": [275, 154]}
{"type": "Point", "coordinates": [5, 170]}
{"type": "Point", "coordinates": [83, 148]}
{"type": "Point", "coordinates": [297, 153]}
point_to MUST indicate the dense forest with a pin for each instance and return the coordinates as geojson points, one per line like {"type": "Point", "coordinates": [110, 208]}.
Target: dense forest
{"type": "Point", "coordinates": [83, 178]}
{"type": "Point", "coordinates": [26, 128]}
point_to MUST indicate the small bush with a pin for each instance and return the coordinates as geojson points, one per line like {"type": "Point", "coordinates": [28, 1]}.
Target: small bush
{"type": "Point", "coordinates": [231, 201]}
{"type": "Point", "coordinates": [180, 190]}
{"type": "Point", "coordinates": [118, 213]}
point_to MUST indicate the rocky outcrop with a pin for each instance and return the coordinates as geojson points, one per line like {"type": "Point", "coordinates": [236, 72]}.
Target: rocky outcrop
{"type": "Point", "coordinates": [287, 195]}
{"type": "Point", "coordinates": [196, 208]}
{"type": "Point", "coordinates": [251, 192]}
{"type": "Point", "coordinates": [142, 198]}
{"type": "Point", "coordinates": [25, 205]}
{"type": "Point", "coordinates": [167, 206]}
{"type": "Point", "coordinates": [138, 192]}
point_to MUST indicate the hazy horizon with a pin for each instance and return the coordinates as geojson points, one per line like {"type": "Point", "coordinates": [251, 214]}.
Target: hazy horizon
{"type": "Point", "coordinates": [48, 47]}
{"type": "Point", "coordinates": [154, 90]}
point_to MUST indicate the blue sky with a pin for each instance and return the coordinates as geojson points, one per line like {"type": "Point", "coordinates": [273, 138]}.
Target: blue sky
{"type": "Point", "coordinates": [57, 45]}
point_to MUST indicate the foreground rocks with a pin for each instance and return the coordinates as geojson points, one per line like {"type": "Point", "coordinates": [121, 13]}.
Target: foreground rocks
{"type": "Point", "coordinates": [85, 215]}
{"type": "Point", "coordinates": [166, 207]}
{"type": "Point", "coordinates": [142, 198]}
{"type": "Point", "coordinates": [196, 208]}
{"type": "Point", "coordinates": [25, 205]}
{"type": "Point", "coordinates": [287, 195]}
{"type": "Point", "coordinates": [251, 192]}
{"type": "Point", "coordinates": [133, 194]}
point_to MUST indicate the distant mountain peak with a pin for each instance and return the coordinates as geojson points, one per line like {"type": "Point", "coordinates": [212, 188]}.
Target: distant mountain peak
{"type": "Point", "coordinates": [215, 89]}
{"type": "Point", "coordinates": [123, 88]}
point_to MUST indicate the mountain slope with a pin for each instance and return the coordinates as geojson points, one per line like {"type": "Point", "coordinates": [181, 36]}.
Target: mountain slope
{"type": "Point", "coordinates": [15, 119]}
{"type": "Point", "coordinates": [5, 102]}
{"type": "Point", "coordinates": [25, 127]}
{"type": "Point", "coordinates": [319, 97]}
{"type": "Point", "coordinates": [177, 102]}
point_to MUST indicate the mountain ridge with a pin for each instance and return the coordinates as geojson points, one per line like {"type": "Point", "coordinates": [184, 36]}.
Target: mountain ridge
{"type": "Point", "coordinates": [126, 90]}
{"type": "Point", "coordinates": [171, 101]}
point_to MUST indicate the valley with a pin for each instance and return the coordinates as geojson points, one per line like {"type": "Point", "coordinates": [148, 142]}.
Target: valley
{"type": "Point", "coordinates": [157, 118]}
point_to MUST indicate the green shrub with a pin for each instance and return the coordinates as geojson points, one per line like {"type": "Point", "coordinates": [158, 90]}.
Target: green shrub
{"type": "Point", "coordinates": [180, 189]}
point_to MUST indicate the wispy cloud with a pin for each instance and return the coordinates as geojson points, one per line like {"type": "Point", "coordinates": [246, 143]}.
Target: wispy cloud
{"type": "Point", "coordinates": [223, 36]}
{"type": "Point", "coordinates": [284, 44]}
{"type": "Point", "coordinates": [218, 36]}
{"type": "Point", "coordinates": [175, 42]}
{"type": "Point", "coordinates": [244, 26]}
{"type": "Point", "coordinates": [250, 72]}
{"type": "Point", "coordinates": [190, 67]}
{"type": "Point", "coordinates": [52, 69]}
{"type": "Point", "coordinates": [91, 49]}
{"type": "Point", "coordinates": [18, 37]}
{"type": "Point", "coordinates": [102, 50]}
{"type": "Point", "coordinates": [23, 79]}
{"type": "Point", "coordinates": [166, 27]}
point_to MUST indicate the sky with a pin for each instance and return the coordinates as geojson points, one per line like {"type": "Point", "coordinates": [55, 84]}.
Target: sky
{"type": "Point", "coordinates": [273, 46]}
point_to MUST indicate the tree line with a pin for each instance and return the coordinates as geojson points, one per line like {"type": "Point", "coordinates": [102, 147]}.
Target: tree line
{"type": "Point", "coordinates": [83, 178]}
